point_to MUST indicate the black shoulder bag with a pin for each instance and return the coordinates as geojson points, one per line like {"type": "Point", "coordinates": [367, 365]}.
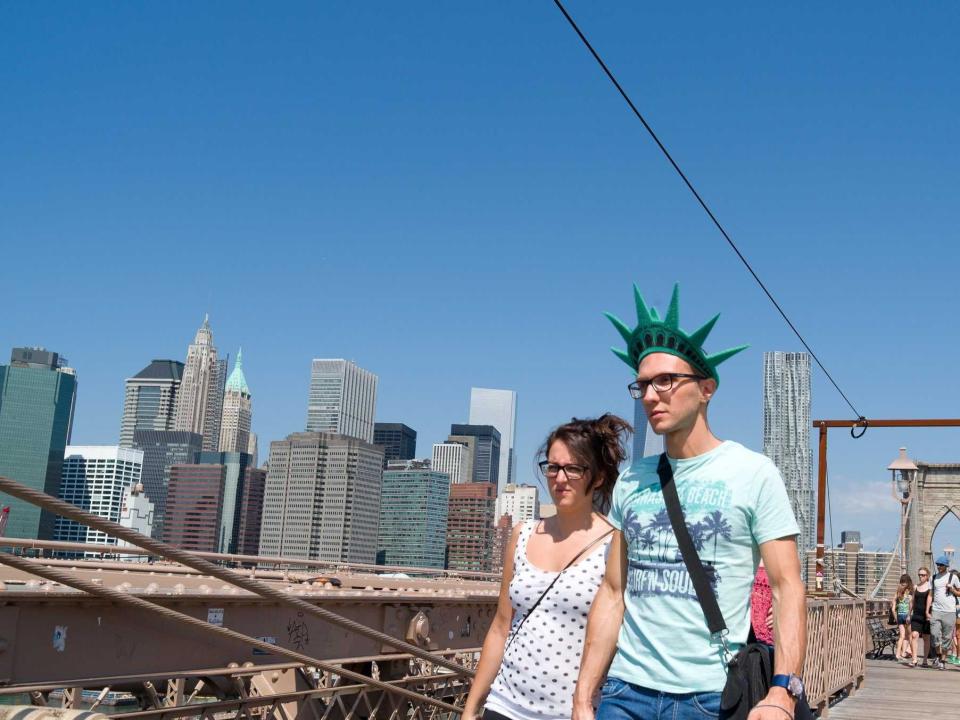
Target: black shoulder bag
{"type": "Point", "coordinates": [566, 567]}
{"type": "Point", "coordinates": [750, 671]}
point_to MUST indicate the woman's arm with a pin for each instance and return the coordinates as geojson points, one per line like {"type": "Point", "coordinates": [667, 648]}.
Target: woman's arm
{"type": "Point", "coordinates": [493, 646]}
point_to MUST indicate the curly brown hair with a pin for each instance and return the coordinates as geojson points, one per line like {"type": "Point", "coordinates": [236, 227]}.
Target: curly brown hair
{"type": "Point", "coordinates": [600, 444]}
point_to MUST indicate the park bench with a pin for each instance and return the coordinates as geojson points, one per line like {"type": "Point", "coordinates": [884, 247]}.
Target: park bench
{"type": "Point", "coordinates": [881, 635]}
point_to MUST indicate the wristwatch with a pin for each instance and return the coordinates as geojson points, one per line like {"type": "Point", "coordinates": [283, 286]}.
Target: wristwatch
{"type": "Point", "coordinates": [791, 683]}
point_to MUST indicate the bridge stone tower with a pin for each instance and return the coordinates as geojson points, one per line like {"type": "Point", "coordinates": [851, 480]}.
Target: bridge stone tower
{"type": "Point", "coordinates": [936, 493]}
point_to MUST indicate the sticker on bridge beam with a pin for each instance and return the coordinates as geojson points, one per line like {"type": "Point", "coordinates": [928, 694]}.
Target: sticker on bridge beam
{"type": "Point", "coordinates": [267, 639]}
{"type": "Point", "coordinates": [215, 616]}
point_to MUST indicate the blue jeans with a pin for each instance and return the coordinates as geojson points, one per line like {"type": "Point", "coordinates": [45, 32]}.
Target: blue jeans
{"type": "Point", "coordinates": [620, 700]}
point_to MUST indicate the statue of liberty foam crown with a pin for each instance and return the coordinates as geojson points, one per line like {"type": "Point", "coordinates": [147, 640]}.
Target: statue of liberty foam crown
{"type": "Point", "coordinates": [653, 335]}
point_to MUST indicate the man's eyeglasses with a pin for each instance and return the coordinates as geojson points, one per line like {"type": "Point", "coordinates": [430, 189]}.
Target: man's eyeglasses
{"type": "Point", "coordinates": [573, 472]}
{"type": "Point", "coordinates": [661, 383]}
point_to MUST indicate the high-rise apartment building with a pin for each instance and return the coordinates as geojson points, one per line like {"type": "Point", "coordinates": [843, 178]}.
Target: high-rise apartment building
{"type": "Point", "coordinates": [161, 450]}
{"type": "Point", "coordinates": [486, 458]}
{"type": "Point", "coordinates": [322, 498]}
{"type": "Point", "coordinates": [237, 411]}
{"type": "Point", "coordinates": [150, 399]}
{"type": "Point", "coordinates": [253, 450]}
{"type": "Point", "coordinates": [200, 398]}
{"type": "Point", "coordinates": [498, 408]}
{"type": "Point", "coordinates": [451, 459]}
{"type": "Point", "coordinates": [420, 493]}
{"type": "Point", "coordinates": [37, 398]}
{"type": "Point", "coordinates": [399, 441]}
{"type": "Point", "coordinates": [786, 434]}
{"type": "Point", "coordinates": [520, 502]}
{"type": "Point", "coordinates": [104, 480]}
{"type": "Point", "coordinates": [470, 527]}
{"type": "Point", "coordinates": [343, 399]}
{"type": "Point", "coordinates": [858, 570]}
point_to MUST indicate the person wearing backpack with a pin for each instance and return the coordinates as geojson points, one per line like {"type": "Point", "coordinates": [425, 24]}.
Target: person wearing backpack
{"type": "Point", "coordinates": [942, 610]}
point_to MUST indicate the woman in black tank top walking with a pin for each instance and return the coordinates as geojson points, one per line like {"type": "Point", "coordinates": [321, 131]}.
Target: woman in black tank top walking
{"type": "Point", "coordinates": [919, 625]}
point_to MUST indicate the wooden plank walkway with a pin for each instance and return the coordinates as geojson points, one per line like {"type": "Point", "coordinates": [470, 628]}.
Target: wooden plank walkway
{"type": "Point", "coordinates": [894, 692]}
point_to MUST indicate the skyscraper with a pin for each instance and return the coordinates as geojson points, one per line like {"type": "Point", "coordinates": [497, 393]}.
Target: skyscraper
{"type": "Point", "coordinates": [322, 498]}
{"type": "Point", "coordinates": [451, 458]}
{"type": "Point", "coordinates": [420, 493]}
{"type": "Point", "coordinates": [99, 479]}
{"type": "Point", "coordinates": [343, 399]}
{"type": "Point", "coordinates": [236, 465]}
{"type": "Point", "coordinates": [645, 440]}
{"type": "Point", "coordinates": [498, 408]}
{"type": "Point", "coordinates": [161, 450]}
{"type": "Point", "coordinates": [399, 441]}
{"type": "Point", "coordinates": [251, 510]}
{"type": "Point", "coordinates": [150, 399]}
{"type": "Point", "coordinates": [37, 397]}
{"type": "Point", "coordinates": [237, 411]}
{"type": "Point", "coordinates": [786, 434]}
{"type": "Point", "coordinates": [200, 399]}
{"type": "Point", "coordinates": [486, 458]}
{"type": "Point", "coordinates": [195, 506]}
{"type": "Point", "coordinates": [520, 502]}
{"type": "Point", "coordinates": [470, 527]}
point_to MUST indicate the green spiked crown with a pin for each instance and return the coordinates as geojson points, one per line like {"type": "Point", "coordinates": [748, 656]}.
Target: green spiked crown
{"type": "Point", "coordinates": [653, 335]}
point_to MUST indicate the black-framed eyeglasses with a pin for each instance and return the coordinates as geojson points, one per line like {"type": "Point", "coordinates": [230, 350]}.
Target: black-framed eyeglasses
{"type": "Point", "coordinates": [573, 472]}
{"type": "Point", "coordinates": [661, 383]}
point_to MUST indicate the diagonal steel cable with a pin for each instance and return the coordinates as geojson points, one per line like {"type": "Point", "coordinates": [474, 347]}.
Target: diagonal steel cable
{"type": "Point", "coordinates": [34, 567]}
{"type": "Point", "coordinates": [65, 509]}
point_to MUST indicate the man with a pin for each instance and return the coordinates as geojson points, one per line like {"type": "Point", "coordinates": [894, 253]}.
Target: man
{"type": "Point", "coordinates": [646, 618]}
{"type": "Point", "coordinates": [942, 610]}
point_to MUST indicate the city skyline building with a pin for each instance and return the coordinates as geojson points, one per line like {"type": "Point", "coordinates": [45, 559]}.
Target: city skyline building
{"type": "Point", "coordinates": [322, 498]}
{"type": "Point", "coordinates": [399, 441]}
{"type": "Point", "coordinates": [489, 406]}
{"type": "Point", "coordinates": [236, 465]}
{"type": "Point", "coordinates": [161, 450]}
{"type": "Point", "coordinates": [237, 411]}
{"type": "Point", "coordinates": [451, 458]}
{"type": "Point", "coordinates": [470, 457]}
{"type": "Point", "coordinates": [104, 480]}
{"type": "Point", "coordinates": [471, 531]}
{"type": "Point", "coordinates": [486, 452]}
{"type": "Point", "coordinates": [786, 434]}
{"type": "Point", "coordinates": [251, 510]}
{"type": "Point", "coordinates": [37, 400]}
{"type": "Point", "coordinates": [150, 399]}
{"type": "Point", "coordinates": [857, 570]}
{"type": "Point", "coordinates": [195, 499]}
{"type": "Point", "coordinates": [520, 502]}
{"type": "Point", "coordinates": [343, 399]}
{"type": "Point", "coordinates": [645, 440]}
{"type": "Point", "coordinates": [419, 493]}
{"type": "Point", "coordinates": [199, 404]}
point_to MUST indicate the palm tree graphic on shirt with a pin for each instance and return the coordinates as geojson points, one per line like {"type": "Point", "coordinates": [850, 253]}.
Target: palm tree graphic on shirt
{"type": "Point", "coordinates": [715, 526]}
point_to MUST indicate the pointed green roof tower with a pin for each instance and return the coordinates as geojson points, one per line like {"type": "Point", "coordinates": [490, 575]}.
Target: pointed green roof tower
{"type": "Point", "coordinates": [653, 335]}
{"type": "Point", "coordinates": [236, 381]}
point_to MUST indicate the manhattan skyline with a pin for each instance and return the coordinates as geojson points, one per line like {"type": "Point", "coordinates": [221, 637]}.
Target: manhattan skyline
{"type": "Point", "coordinates": [361, 166]}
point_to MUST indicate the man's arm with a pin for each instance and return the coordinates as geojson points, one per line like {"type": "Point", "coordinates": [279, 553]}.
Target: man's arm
{"type": "Point", "coordinates": [603, 627]}
{"type": "Point", "coordinates": [782, 563]}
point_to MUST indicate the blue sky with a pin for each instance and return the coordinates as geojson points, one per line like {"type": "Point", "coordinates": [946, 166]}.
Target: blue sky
{"type": "Point", "coordinates": [451, 194]}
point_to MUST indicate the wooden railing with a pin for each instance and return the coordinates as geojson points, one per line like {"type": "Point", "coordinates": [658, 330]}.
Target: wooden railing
{"type": "Point", "coordinates": [835, 655]}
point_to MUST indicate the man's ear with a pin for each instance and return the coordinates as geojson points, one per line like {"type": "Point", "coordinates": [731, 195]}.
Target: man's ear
{"type": "Point", "coordinates": [707, 388]}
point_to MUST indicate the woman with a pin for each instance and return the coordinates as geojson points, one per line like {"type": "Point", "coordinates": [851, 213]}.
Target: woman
{"type": "Point", "coordinates": [919, 625]}
{"type": "Point", "coordinates": [551, 571]}
{"type": "Point", "coordinates": [902, 608]}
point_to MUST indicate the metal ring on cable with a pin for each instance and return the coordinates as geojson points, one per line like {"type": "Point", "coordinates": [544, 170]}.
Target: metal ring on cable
{"type": "Point", "coordinates": [861, 422]}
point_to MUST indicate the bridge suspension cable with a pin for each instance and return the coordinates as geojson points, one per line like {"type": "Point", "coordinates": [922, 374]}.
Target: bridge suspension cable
{"type": "Point", "coordinates": [702, 203]}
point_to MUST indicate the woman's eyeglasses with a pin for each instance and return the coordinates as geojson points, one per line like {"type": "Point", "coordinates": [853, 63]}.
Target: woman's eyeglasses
{"type": "Point", "coordinates": [573, 472]}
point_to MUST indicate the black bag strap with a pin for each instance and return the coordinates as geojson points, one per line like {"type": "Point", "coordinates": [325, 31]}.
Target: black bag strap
{"type": "Point", "coordinates": [698, 576]}
{"type": "Point", "coordinates": [566, 567]}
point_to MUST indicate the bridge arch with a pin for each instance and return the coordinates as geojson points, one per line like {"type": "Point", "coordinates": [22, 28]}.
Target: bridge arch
{"type": "Point", "coordinates": [936, 495]}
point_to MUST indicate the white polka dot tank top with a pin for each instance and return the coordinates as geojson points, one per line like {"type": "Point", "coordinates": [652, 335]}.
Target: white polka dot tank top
{"type": "Point", "coordinates": [539, 670]}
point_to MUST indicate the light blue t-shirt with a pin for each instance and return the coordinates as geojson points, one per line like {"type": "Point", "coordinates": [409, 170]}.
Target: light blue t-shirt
{"type": "Point", "coordinates": [733, 500]}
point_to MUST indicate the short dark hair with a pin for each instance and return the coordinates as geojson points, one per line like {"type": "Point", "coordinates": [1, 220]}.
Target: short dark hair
{"type": "Point", "coordinates": [598, 443]}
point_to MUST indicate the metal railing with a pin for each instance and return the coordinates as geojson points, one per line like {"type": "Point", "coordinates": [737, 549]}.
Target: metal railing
{"type": "Point", "coordinates": [836, 660]}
